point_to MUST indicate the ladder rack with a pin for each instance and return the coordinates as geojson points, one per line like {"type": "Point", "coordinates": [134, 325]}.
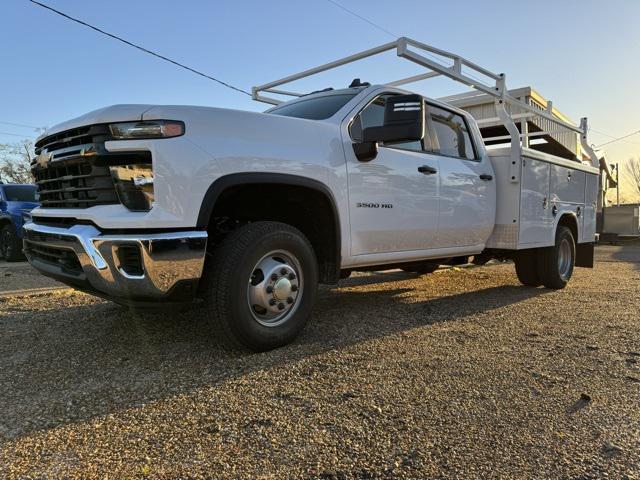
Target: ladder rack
{"type": "Point", "coordinates": [493, 84]}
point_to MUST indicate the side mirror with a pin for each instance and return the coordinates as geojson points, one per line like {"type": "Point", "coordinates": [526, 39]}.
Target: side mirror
{"type": "Point", "coordinates": [403, 122]}
{"type": "Point", "coordinates": [365, 151]}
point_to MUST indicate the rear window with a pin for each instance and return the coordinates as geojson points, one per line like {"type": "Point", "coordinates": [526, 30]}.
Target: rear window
{"type": "Point", "coordinates": [22, 193]}
{"type": "Point", "coordinates": [318, 108]}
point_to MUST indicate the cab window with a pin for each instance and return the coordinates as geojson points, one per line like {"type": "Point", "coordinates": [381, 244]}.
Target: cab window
{"type": "Point", "coordinates": [315, 108]}
{"type": "Point", "coordinates": [373, 116]}
{"type": "Point", "coordinates": [452, 133]}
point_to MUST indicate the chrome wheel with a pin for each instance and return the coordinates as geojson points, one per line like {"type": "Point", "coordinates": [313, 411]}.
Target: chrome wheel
{"type": "Point", "coordinates": [565, 259]}
{"type": "Point", "coordinates": [274, 288]}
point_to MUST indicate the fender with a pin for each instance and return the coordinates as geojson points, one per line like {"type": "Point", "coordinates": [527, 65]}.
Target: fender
{"type": "Point", "coordinates": [560, 216]}
{"type": "Point", "coordinates": [236, 179]}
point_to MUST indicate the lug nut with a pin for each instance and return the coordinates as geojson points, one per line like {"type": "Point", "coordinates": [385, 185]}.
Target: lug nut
{"type": "Point", "coordinates": [281, 306]}
{"type": "Point", "coordinates": [290, 300]}
{"type": "Point", "coordinates": [292, 276]}
{"type": "Point", "coordinates": [283, 271]}
{"type": "Point", "coordinates": [274, 276]}
{"type": "Point", "coordinates": [272, 302]}
{"type": "Point", "coordinates": [269, 289]}
{"type": "Point", "coordinates": [294, 288]}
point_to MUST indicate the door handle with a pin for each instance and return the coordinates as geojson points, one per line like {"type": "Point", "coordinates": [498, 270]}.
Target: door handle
{"type": "Point", "coordinates": [486, 176]}
{"type": "Point", "coordinates": [427, 170]}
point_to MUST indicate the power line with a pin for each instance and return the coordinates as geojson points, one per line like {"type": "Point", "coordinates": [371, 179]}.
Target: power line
{"type": "Point", "coordinates": [611, 136]}
{"type": "Point", "coordinates": [21, 125]}
{"type": "Point", "coordinates": [14, 134]}
{"type": "Point", "coordinates": [618, 139]}
{"type": "Point", "coordinates": [382, 29]}
{"type": "Point", "coordinates": [145, 50]}
{"type": "Point", "coordinates": [363, 19]}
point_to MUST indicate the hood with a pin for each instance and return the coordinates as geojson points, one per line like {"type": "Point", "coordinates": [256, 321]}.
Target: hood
{"type": "Point", "coordinates": [114, 113]}
{"type": "Point", "coordinates": [18, 209]}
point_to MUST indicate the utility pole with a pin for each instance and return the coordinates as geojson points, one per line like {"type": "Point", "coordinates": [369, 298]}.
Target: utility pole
{"type": "Point", "coordinates": [618, 183]}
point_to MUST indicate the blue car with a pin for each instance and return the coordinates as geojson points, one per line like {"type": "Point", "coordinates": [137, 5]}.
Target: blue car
{"type": "Point", "coordinates": [16, 201]}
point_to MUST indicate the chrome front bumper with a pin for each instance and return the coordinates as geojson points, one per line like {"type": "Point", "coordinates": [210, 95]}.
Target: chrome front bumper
{"type": "Point", "coordinates": [169, 265]}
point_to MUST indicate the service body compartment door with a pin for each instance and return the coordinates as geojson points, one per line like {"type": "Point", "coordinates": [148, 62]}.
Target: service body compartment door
{"type": "Point", "coordinates": [567, 185]}
{"type": "Point", "coordinates": [567, 189]}
{"type": "Point", "coordinates": [535, 220]}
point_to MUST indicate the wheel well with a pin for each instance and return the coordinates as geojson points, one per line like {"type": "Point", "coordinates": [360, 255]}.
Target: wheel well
{"type": "Point", "coordinates": [308, 209]}
{"type": "Point", "coordinates": [569, 221]}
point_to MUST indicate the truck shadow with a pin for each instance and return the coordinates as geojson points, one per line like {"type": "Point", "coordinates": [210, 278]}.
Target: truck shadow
{"type": "Point", "coordinates": [73, 364]}
{"type": "Point", "coordinates": [628, 252]}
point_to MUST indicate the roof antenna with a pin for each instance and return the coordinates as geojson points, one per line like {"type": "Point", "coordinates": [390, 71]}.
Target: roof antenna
{"type": "Point", "coordinates": [357, 83]}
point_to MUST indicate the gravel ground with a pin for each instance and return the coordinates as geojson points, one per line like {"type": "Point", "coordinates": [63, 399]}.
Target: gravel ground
{"type": "Point", "coordinates": [458, 374]}
{"type": "Point", "coordinates": [20, 275]}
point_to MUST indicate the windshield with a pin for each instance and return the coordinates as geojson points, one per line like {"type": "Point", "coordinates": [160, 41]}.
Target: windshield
{"type": "Point", "coordinates": [20, 193]}
{"type": "Point", "coordinates": [317, 108]}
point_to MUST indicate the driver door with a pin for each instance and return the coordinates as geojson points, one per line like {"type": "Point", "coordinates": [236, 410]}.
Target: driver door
{"type": "Point", "coordinates": [393, 199]}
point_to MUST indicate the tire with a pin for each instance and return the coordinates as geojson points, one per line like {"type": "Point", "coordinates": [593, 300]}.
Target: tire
{"type": "Point", "coordinates": [344, 274]}
{"type": "Point", "coordinates": [555, 264]}
{"type": "Point", "coordinates": [10, 245]}
{"type": "Point", "coordinates": [260, 285]}
{"type": "Point", "coordinates": [527, 268]}
{"type": "Point", "coordinates": [423, 268]}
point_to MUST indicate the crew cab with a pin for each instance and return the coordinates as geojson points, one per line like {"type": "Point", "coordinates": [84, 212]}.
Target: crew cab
{"type": "Point", "coordinates": [247, 212]}
{"type": "Point", "coordinates": [16, 201]}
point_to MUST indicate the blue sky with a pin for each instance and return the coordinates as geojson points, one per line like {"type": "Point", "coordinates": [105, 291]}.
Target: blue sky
{"type": "Point", "coordinates": [581, 54]}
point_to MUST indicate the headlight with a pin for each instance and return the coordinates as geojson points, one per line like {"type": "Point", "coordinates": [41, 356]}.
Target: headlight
{"type": "Point", "coordinates": [147, 129]}
{"type": "Point", "coordinates": [134, 185]}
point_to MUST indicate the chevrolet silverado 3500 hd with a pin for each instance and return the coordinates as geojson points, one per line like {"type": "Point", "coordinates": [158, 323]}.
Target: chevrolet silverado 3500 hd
{"type": "Point", "coordinates": [249, 211]}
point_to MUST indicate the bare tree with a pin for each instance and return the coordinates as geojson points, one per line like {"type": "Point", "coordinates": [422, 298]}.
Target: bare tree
{"type": "Point", "coordinates": [15, 160]}
{"type": "Point", "coordinates": [632, 170]}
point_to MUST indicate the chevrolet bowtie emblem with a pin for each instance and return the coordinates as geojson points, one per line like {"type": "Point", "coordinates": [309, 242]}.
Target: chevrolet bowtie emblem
{"type": "Point", "coordinates": [88, 152]}
{"type": "Point", "coordinates": [43, 159]}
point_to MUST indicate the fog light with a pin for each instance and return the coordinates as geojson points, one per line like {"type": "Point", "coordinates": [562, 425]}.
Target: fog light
{"type": "Point", "coordinates": [130, 260]}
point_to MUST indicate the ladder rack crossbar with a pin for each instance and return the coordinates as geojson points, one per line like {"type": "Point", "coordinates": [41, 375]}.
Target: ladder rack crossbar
{"type": "Point", "coordinates": [494, 85]}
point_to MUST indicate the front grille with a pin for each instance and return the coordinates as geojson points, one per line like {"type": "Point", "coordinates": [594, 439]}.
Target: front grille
{"type": "Point", "coordinates": [72, 168]}
{"type": "Point", "coordinates": [65, 259]}
{"type": "Point", "coordinates": [74, 183]}
{"type": "Point", "coordinates": [71, 138]}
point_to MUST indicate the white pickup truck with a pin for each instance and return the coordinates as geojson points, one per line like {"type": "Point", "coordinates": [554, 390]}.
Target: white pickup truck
{"type": "Point", "coordinates": [248, 212]}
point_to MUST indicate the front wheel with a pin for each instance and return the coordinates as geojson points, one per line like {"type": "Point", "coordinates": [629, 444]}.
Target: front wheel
{"type": "Point", "coordinates": [10, 246]}
{"type": "Point", "coordinates": [260, 285]}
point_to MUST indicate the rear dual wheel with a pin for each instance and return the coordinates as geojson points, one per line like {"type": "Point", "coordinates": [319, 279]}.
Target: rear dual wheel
{"type": "Point", "coordinates": [551, 266]}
